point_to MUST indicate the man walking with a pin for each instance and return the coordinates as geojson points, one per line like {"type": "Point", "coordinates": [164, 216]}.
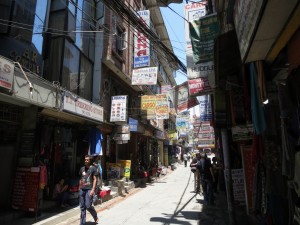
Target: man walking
{"type": "Point", "coordinates": [87, 186]}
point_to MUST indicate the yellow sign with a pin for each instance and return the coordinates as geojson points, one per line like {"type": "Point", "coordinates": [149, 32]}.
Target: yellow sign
{"type": "Point", "coordinates": [126, 165]}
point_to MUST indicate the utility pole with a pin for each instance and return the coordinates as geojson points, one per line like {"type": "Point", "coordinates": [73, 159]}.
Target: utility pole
{"type": "Point", "coordinates": [228, 178]}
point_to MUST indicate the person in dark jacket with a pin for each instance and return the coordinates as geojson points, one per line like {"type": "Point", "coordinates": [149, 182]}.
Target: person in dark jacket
{"type": "Point", "coordinates": [207, 178]}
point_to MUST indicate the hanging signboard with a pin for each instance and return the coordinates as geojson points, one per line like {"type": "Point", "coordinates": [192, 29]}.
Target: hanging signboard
{"type": "Point", "coordinates": [162, 107]}
{"type": "Point", "coordinates": [194, 11]}
{"type": "Point", "coordinates": [148, 106]}
{"type": "Point", "coordinates": [203, 33]}
{"type": "Point", "coordinates": [6, 73]}
{"type": "Point", "coordinates": [118, 111]}
{"type": "Point", "coordinates": [144, 76]}
{"type": "Point", "coordinates": [141, 43]}
{"type": "Point", "coordinates": [238, 186]}
{"type": "Point", "coordinates": [199, 86]}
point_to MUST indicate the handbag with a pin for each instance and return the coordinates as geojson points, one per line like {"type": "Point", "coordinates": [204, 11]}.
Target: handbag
{"type": "Point", "coordinates": [193, 169]}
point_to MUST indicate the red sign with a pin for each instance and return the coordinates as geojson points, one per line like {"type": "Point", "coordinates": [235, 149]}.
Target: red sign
{"type": "Point", "coordinates": [199, 86]}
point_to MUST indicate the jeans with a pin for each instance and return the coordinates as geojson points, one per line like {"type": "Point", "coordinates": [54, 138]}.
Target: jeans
{"type": "Point", "coordinates": [85, 203]}
{"type": "Point", "coordinates": [207, 186]}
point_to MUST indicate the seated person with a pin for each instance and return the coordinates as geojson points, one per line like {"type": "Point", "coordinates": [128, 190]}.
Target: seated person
{"type": "Point", "coordinates": [60, 193]}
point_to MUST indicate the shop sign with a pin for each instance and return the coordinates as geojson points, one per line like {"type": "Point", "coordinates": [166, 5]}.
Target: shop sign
{"type": "Point", "coordinates": [122, 137]}
{"type": "Point", "coordinates": [199, 86]}
{"type": "Point", "coordinates": [82, 107]}
{"type": "Point", "coordinates": [133, 124]}
{"type": "Point", "coordinates": [6, 73]}
{"type": "Point", "coordinates": [165, 89]}
{"type": "Point", "coordinates": [118, 111]}
{"type": "Point", "coordinates": [141, 42]}
{"type": "Point", "coordinates": [123, 129]}
{"type": "Point", "coordinates": [144, 76]}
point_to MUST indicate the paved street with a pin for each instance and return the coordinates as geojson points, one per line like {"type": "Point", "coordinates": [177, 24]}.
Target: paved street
{"type": "Point", "coordinates": [170, 200]}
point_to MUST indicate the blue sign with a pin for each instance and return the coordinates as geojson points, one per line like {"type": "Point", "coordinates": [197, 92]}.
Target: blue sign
{"type": "Point", "coordinates": [141, 61]}
{"type": "Point", "coordinates": [133, 124]}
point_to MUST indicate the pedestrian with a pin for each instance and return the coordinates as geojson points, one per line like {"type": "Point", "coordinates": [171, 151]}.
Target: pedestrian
{"type": "Point", "coordinates": [87, 186]}
{"type": "Point", "coordinates": [195, 170]}
{"type": "Point", "coordinates": [207, 178]}
{"type": "Point", "coordinates": [185, 159]}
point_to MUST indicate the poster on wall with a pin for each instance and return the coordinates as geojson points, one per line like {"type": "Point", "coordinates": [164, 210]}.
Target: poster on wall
{"type": "Point", "coordinates": [144, 76]}
{"type": "Point", "coordinates": [113, 170]}
{"type": "Point", "coordinates": [118, 112]}
{"type": "Point", "coordinates": [125, 167]}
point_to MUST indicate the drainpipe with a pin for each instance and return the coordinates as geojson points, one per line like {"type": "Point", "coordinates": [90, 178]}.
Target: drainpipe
{"type": "Point", "coordinates": [228, 178]}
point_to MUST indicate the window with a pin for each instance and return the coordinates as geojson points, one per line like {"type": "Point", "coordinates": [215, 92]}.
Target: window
{"type": "Point", "coordinates": [70, 76]}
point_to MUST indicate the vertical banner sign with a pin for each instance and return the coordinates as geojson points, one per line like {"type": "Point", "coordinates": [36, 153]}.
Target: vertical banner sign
{"type": "Point", "coordinates": [205, 108]}
{"type": "Point", "coordinates": [148, 106]}
{"type": "Point", "coordinates": [144, 76]}
{"type": "Point", "coordinates": [199, 86]}
{"type": "Point", "coordinates": [192, 12]}
{"type": "Point", "coordinates": [118, 112]}
{"type": "Point", "coordinates": [162, 107]}
{"type": "Point", "coordinates": [203, 33]}
{"type": "Point", "coordinates": [141, 43]}
{"type": "Point", "coordinates": [6, 73]}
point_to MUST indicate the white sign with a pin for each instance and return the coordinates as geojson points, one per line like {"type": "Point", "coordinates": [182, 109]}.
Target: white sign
{"type": "Point", "coordinates": [141, 43]}
{"type": "Point", "coordinates": [144, 76]}
{"type": "Point", "coordinates": [83, 107]}
{"type": "Point", "coordinates": [6, 73]}
{"type": "Point", "coordinates": [118, 111]}
{"type": "Point", "coordinates": [122, 137]}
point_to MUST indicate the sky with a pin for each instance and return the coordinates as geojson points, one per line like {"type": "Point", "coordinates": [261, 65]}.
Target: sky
{"type": "Point", "coordinates": [175, 27]}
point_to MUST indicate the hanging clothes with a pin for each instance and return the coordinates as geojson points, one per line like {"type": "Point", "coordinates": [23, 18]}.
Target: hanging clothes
{"type": "Point", "coordinates": [258, 115]}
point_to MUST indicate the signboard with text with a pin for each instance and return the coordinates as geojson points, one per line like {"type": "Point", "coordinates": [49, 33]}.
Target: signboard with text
{"type": "Point", "coordinates": [82, 107]}
{"type": "Point", "coordinates": [118, 111]}
{"type": "Point", "coordinates": [141, 42]}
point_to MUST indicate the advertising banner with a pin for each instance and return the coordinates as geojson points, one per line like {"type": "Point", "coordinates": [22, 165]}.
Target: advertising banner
{"type": "Point", "coordinates": [141, 43]}
{"type": "Point", "coordinates": [203, 33]}
{"type": "Point", "coordinates": [118, 112]}
{"type": "Point", "coordinates": [6, 73]}
{"type": "Point", "coordinates": [144, 76]}
{"type": "Point", "coordinates": [162, 107]}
